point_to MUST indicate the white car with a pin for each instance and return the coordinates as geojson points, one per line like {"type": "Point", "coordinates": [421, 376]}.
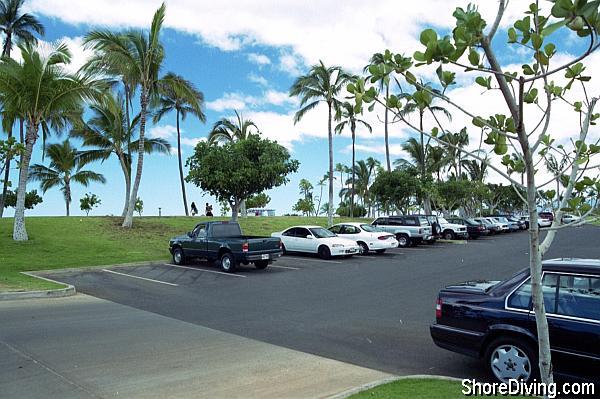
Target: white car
{"type": "Point", "coordinates": [316, 240]}
{"type": "Point", "coordinates": [503, 226]}
{"type": "Point", "coordinates": [544, 222]}
{"type": "Point", "coordinates": [570, 218]}
{"type": "Point", "coordinates": [369, 238]}
{"type": "Point", "coordinates": [452, 231]}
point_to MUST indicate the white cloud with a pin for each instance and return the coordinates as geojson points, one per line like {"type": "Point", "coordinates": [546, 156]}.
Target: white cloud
{"type": "Point", "coordinates": [259, 80]}
{"type": "Point", "coordinates": [229, 101]}
{"type": "Point", "coordinates": [259, 59]}
{"type": "Point", "coordinates": [162, 132]}
{"type": "Point", "coordinates": [239, 101]}
{"type": "Point", "coordinates": [192, 141]}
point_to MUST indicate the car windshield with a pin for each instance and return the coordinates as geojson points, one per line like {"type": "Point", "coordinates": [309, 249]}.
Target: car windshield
{"type": "Point", "coordinates": [473, 221]}
{"type": "Point", "coordinates": [502, 219]}
{"type": "Point", "coordinates": [320, 232]}
{"type": "Point", "coordinates": [370, 229]}
{"type": "Point", "coordinates": [443, 221]}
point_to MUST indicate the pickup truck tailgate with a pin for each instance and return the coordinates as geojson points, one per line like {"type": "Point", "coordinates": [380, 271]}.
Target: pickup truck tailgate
{"type": "Point", "coordinates": [267, 244]}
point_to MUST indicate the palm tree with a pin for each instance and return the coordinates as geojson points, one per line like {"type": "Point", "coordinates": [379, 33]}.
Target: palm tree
{"type": "Point", "coordinates": [321, 184]}
{"type": "Point", "coordinates": [341, 168]}
{"type": "Point", "coordinates": [377, 60]}
{"type": "Point", "coordinates": [65, 168]}
{"type": "Point", "coordinates": [347, 117]}
{"type": "Point", "coordinates": [19, 27]}
{"type": "Point", "coordinates": [453, 143]}
{"type": "Point", "coordinates": [109, 132]}
{"type": "Point", "coordinates": [184, 99]}
{"type": "Point", "coordinates": [39, 89]}
{"type": "Point", "coordinates": [477, 170]}
{"type": "Point", "coordinates": [227, 130]}
{"type": "Point", "coordinates": [321, 84]}
{"type": "Point", "coordinates": [141, 56]}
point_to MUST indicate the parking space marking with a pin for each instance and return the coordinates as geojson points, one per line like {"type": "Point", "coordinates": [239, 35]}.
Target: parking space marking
{"type": "Point", "coordinates": [311, 260]}
{"type": "Point", "coordinates": [204, 270]}
{"type": "Point", "coordinates": [285, 267]}
{"type": "Point", "coordinates": [141, 278]}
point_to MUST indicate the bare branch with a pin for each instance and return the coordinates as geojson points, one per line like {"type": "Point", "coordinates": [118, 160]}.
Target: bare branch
{"type": "Point", "coordinates": [501, 7]}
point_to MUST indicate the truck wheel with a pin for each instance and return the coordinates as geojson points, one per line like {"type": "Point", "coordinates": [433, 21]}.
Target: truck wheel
{"type": "Point", "coordinates": [283, 250]}
{"type": "Point", "coordinates": [511, 358]}
{"type": "Point", "coordinates": [364, 248]}
{"type": "Point", "coordinates": [448, 235]}
{"type": "Point", "coordinates": [324, 252]}
{"type": "Point", "coordinates": [261, 264]}
{"type": "Point", "coordinates": [178, 256]}
{"type": "Point", "coordinates": [403, 240]}
{"type": "Point", "coordinates": [228, 263]}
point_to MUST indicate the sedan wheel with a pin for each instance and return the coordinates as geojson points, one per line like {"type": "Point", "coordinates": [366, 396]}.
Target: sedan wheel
{"type": "Point", "coordinates": [324, 252]}
{"type": "Point", "coordinates": [510, 361]}
{"type": "Point", "coordinates": [364, 248]}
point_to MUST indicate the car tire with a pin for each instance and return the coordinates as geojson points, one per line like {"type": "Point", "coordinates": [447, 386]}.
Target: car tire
{"type": "Point", "coordinates": [511, 358]}
{"type": "Point", "coordinates": [324, 252]}
{"type": "Point", "coordinates": [261, 264]}
{"type": "Point", "coordinates": [228, 263]}
{"type": "Point", "coordinates": [364, 248]}
{"type": "Point", "coordinates": [283, 250]}
{"type": "Point", "coordinates": [178, 256]}
{"type": "Point", "coordinates": [380, 251]}
{"type": "Point", "coordinates": [403, 240]}
{"type": "Point", "coordinates": [448, 235]}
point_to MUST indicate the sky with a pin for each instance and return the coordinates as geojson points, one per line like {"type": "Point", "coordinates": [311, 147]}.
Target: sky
{"type": "Point", "coordinates": [245, 55]}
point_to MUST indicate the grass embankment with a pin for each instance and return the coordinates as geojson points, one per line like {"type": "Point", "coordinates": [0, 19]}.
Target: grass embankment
{"type": "Point", "coordinates": [61, 242]}
{"type": "Point", "coordinates": [416, 388]}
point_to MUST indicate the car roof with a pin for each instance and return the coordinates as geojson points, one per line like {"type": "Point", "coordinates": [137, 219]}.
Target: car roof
{"type": "Point", "coordinates": [572, 265]}
{"type": "Point", "coordinates": [350, 223]}
{"type": "Point", "coordinates": [305, 227]}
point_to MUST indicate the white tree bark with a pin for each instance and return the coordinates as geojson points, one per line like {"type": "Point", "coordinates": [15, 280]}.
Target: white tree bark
{"type": "Point", "coordinates": [19, 230]}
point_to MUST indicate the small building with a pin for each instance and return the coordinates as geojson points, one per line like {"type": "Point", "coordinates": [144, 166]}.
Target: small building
{"type": "Point", "coordinates": [260, 212]}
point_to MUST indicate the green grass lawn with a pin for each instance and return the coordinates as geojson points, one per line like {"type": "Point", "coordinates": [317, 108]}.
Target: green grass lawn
{"type": "Point", "coordinates": [416, 388]}
{"type": "Point", "coordinates": [61, 242]}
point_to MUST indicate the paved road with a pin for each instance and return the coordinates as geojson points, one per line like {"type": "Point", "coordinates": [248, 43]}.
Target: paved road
{"type": "Point", "coordinates": [370, 311]}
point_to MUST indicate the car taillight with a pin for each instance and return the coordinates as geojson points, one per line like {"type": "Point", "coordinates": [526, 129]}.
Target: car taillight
{"type": "Point", "coordinates": [438, 309]}
{"type": "Point", "coordinates": [383, 237]}
{"type": "Point", "coordinates": [245, 247]}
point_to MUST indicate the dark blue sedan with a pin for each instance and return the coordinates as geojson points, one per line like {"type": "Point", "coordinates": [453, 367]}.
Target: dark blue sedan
{"type": "Point", "coordinates": [494, 321]}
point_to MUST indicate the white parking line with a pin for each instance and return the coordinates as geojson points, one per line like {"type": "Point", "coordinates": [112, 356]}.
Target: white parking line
{"type": "Point", "coordinates": [285, 267]}
{"type": "Point", "coordinates": [141, 278]}
{"type": "Point", "coordinates": [204, 270]}
{"type": "Point", "coordinates": [311, 260]}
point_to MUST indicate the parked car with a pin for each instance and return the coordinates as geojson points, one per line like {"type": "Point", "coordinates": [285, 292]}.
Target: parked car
{"type": "Point", "coordinates": [521, 223]}
{"type": "Point", "coordinates": [525, 219]}
{"type": "Point", "coordinates": [503, 227]}
{"type": "Point", "coordinates": [494, 321]}
{"type": "Point", "coordinates": [567, 218]}
{"type": "Point", "coordinates": [543, 222]}
{"type": "Point", "coordinates": [316, 240]}
{"type": "Point", "coordinates": [546, 215]}
{"type": "Point", "coordinates": [368, 238]}
{"type": "Point", "coordinates": [452, 231]}
{"type": "Point", "coordinates": [224, 242]}
{"type": "Point", "coordinates": [408, 229]}
{"type": "Point", "coordinates": [493, 228]}
{"type": "Point", "coordinates": [512, 226]}
{"type": "Point", "coordinates": [474, 229]}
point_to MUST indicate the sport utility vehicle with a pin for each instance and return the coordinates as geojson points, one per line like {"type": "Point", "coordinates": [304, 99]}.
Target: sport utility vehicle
{"type": "Point", "coordinates": [408, 229]}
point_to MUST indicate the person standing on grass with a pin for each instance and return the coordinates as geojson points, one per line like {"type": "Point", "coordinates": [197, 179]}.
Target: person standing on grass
{"type": "Point", "coordinates": [194, 209]}
{"type": "Point", "coordinates": [209, 210]}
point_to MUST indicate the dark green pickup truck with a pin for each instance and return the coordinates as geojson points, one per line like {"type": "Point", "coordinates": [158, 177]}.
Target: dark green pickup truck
{"type": "Point", "coordinates": [224, 242]}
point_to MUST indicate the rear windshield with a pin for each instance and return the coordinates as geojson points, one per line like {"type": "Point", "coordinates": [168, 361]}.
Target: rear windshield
{"type": "Point", "coordinates": [226, 230]}
{"type": "Point", "coordinates": [320, 232]}
{"type": "Point", "coordinates": [423, 221]}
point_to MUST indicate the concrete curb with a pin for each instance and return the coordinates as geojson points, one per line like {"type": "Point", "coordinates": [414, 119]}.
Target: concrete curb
{"type": "Point", "coordinates": [455, 242]}
{"type": "Point", "coordinates": [364, 387]}
{"type": "Point", "coordinates": [69, 290]}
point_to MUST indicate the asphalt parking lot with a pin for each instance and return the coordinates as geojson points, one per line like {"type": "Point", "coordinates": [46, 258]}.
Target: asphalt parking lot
{"type": "Point", "coordinates": [371, 311]}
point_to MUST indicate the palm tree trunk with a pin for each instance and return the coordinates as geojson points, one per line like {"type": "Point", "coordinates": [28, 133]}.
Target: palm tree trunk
{"type": "Point", "coordinates": [7, 45]}
{"type": "Point", "coordinates": [19, 230]}
{"type": "Point", "coordinates": [330, 138]}
{"type": "Point", "coordinates": [185, 206]}
{"type": "Point", "coordinates": [68, 196]}
{"type": "Point", "coordinates": [127, 177]}
{"type": "Point", "coordinates": [427, 199]}
{"type": "Point", "coordinates": [128, 222]}
{"type": "Point", "coordinates": [6, 180]}
{"type": "Point", "coordinates": [353, 165]}
{"type": "Point", "coordinates": [385, 129]}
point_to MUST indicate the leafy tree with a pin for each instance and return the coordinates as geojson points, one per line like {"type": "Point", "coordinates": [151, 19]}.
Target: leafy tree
{"type": "Point", "coordinates": [179, 95]}
{"type": "Point", "coordinates": [109, 133]}
{"type": "Point", "coordinates": [89, 202]}
{"type": "Point", "coordinates": [358, 211]}
{"type": "Point", "coordinates": [454, 194]}
{"type": "Point", "coordinates": [258, 201]}
{"type": "Point", "coordinates": [304, 205]}
{"type": "Point", "coordinates": [138, 207]}
{"type": "Point", "coordinates": [65, 168]}
{"type": "Point", "coordinates": [224, 207]}
{"type": "Point", "coordinates": [139, 56]}
{"type": "Point", "coordinates": [31, 199]}
{"type": "Point", "coordinates": [348, 118]}
{"type": "Point", "coordinates": [236, 170]}
{"type": "Point", "coordinates": [533, 90]}
{"type": "Point", "coordinates": [397, 188]}
{"type": "Point", "coordinates": [47, 96]}
{"type": "Point", "coordinates": [321, 84]}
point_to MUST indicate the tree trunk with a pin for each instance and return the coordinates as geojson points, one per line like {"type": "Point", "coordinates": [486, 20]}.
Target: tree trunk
{"type": "Point", "coordinates": [19, 230]}
{"type": "Point", "coordinates": [427, 199]}
{"type": "Point", "coordinates": [128, 222]}
{"type": "Point", "coordinates": [185, 206]}
{"type": "Point", "coordinates": [243, 211]}
{"type": "Point", "coordinates": [7, 45]}
{"type": "Point", "coordinates": [330, 138]}
{"type": "Point", "coordinates": [6, 180]}
{"type": "Point", "coordinates": [353, 174]}
{"type": "Point", "coordinates": [235, 206]}
{"type": "Point", "coordinates": [126, 170]}
{"type": "Point", "coordinates": [68, 197]}
{"type": "Point", "coordinates": [385, 130]}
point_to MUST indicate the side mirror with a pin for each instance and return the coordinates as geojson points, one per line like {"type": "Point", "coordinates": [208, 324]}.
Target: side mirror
{"type": "Point", "coordinates": [189, 234]}
{"type": "Point", "coordinates": [309, 237]}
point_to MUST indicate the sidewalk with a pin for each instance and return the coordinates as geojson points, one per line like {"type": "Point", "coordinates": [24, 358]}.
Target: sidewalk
{"type": "Point", "coordinates": [84, 347]}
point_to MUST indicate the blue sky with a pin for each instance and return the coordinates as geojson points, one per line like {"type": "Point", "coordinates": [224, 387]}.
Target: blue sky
{"type": "Point", "coordinates": [246, 57]}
